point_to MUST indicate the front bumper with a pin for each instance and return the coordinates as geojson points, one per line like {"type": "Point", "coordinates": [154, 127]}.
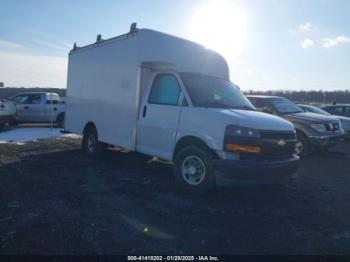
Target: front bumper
{"type": "Point", "coordinates": [256, 171]}
{"type": "Point", "coordinates": [326, 141]}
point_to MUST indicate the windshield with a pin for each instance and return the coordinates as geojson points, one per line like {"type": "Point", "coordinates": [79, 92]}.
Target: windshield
{"type": "Point", "coordinates": [285, 106]}
{"type": "Point", "coordinates": [206, 91]}
{"type": "Point", "coordinates": [316, 110]}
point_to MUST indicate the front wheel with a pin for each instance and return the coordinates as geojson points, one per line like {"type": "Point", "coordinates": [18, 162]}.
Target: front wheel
{"type": "Point", "coordinates": [193, 170]}
{"type": "Point", "coordinates": [91, 146]}
{"type": "Point", "coordinates": [302, 147]}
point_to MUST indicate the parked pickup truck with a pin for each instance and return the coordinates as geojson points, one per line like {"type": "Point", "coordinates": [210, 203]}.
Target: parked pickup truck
{"type": "Point", "coordinates": [167, 97]}
{"type": "Point", "coordinates": [345, 121]}
{"type": "Point", "coordinates": [314, 131]}
{"type": "Point", "coordinates": [7, 113]}
{"type": "Point", "coordinates": [39, 107]}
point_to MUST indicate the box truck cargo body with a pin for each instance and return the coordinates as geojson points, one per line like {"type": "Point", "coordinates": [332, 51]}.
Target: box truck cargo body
{"type": "Point", "coordinates": [167, 97]}
{"type": "Point", "coordinates": [108, 79]}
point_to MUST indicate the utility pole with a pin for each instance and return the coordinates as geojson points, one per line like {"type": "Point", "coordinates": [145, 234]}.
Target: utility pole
{"type": "Point", "coordinates": [51, 111]}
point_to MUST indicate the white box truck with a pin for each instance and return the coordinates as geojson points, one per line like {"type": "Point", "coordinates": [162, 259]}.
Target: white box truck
{"type": "Point", "coordinates": [167, 97]}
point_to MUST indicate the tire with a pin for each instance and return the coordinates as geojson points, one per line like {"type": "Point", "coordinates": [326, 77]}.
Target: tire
{"type": "Point", "coordinates": [193, 170]}
{"type": "Point", "coordinates": [302, 147]}
{"type": "Point", "coordinates": [60, 121]}
{"type": "Point", "coordinates": [90, 145]}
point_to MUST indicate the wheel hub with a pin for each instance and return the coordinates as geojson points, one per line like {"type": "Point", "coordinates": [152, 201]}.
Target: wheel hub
{"type": "Point", "coordinates": [193, 170]}
{"type": "Point", "coordinates": [91, 143]}
{"type": "Point", "coordinates": [298, 148]}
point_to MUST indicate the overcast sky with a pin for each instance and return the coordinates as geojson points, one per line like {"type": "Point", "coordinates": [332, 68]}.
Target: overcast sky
{"type": "Point", "coordinates": [283, 44]}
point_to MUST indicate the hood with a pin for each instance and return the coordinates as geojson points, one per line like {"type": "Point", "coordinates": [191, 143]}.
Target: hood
{"type": "Point", "coordinates": [258, 120]}
{"type": "Point", "coordinates": [309, 117]}
{"type": "Point", "coordinates": [343, 118]}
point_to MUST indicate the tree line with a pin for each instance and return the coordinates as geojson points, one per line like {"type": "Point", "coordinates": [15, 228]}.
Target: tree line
{"type": "Point", "coordinates": [339, 96]}
{"type": "Point", "coordinates": [326, 97]}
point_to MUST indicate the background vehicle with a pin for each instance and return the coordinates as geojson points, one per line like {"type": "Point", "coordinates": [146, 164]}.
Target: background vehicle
{"type": "Point", "coordinates": [313, 130]}
{"type": "Point", "coordinates": [338, 110]}
{"type": "Point", "coordinates": [7, 113]}
{"type": "Point", "coordinates": [345, 121]}
{"type": "Point", "coordinates": [39, 107]}
{"type": "Point", "coordinates": [171, 98]}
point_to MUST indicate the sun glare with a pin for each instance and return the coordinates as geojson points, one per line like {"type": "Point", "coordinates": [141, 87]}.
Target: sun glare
{"type": "Point", "coordinates": [221, 26]}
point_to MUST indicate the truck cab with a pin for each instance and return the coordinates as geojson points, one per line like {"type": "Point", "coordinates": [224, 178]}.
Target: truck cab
{"type": "Point", "coordinates": [190, 118]}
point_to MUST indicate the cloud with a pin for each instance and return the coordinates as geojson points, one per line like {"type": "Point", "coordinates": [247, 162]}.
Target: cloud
{"type": "Point", "coordinates": [62, 46]}
{"type": "Point", "coordinates": [28, 70]}
{"type": "Point", "coordinates": [9, 45]}
{"type": "Point", "coordinates": [333, 42]}
{"type": "Point", "coordinates": [307, 42]}
{"type": "Point", "coordinates": [307, 27]}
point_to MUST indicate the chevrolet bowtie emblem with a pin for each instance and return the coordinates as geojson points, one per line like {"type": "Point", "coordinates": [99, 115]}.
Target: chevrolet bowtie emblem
{"type": "Point", "coordinates": [281, 142]}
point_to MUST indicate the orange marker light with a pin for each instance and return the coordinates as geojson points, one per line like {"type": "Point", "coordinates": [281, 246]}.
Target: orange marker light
{"type": "Point", "coordinates": [243, 149]}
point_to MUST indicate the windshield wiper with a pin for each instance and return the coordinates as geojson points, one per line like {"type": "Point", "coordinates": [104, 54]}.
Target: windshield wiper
{"type": "Point", "coordinates": [295, 112]}
{"type": "Point", "coordinates": [215, 105]}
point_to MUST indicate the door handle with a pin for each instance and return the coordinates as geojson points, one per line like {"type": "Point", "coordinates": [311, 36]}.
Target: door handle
{"type": "Point", "coordinates": [144, 112]}
{"type": "Point", "coordinates": [55, 109]}
{"type": "Point", "coordinates": [26, 107]}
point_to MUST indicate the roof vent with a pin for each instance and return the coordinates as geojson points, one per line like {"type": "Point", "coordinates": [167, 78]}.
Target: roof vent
{"type": "Point", "coordinates": [133, 28]}
{"type": "Point", "coordinates": [99, 38]}
{"type": "Point", "coordinates": [75, 47]}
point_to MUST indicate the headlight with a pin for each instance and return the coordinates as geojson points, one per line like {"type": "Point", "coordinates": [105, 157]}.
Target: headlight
{"type": "Point", "coordinates": [237, 139]}
{"type": "Point", "coordinates": [239, 131]}
{"type": "Point", "coordinates": [319, 127]}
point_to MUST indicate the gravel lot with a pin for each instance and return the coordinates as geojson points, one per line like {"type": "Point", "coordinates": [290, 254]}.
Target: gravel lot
{"type": "Point", "coordinates": [54, 200]}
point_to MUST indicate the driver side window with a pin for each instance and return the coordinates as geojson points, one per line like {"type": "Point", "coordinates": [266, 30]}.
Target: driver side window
{"type": "Point", "coordinates": [338, 110]}
{"type": "Point", "coordinates": [165, 90]}
{"type": "Point", "coordinates": [22, 99]}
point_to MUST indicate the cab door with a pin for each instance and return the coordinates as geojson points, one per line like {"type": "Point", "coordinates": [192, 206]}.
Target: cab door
{"type": "Point", "coordinates": [159, 116]}
{"type": "Point", "coordinates": [29, 108]}
{"type": "Point", "coordinates": [21, 102]}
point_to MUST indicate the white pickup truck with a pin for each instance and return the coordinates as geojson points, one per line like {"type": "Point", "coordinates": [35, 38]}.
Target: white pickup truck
{"type": "Point", "coordinates": [39, 107]}
{"type": "Point", "coordinates": [167, 97]}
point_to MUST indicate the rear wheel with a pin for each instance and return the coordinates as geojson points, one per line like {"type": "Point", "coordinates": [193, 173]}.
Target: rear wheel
{"type": "Point", "coordinates": [193, 170]}
{"type": "Point", "coordinates": [91, 146]}
{"type": "Point", "coordinates": [302, 147]}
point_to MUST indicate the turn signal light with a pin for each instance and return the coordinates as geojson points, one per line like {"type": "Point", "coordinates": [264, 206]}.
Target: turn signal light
{"type": "Point", "coordinates": [243, 149]}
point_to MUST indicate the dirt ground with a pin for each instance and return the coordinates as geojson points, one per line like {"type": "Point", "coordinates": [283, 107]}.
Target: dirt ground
{"type": "Point", "coordinates": [54, 200]}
